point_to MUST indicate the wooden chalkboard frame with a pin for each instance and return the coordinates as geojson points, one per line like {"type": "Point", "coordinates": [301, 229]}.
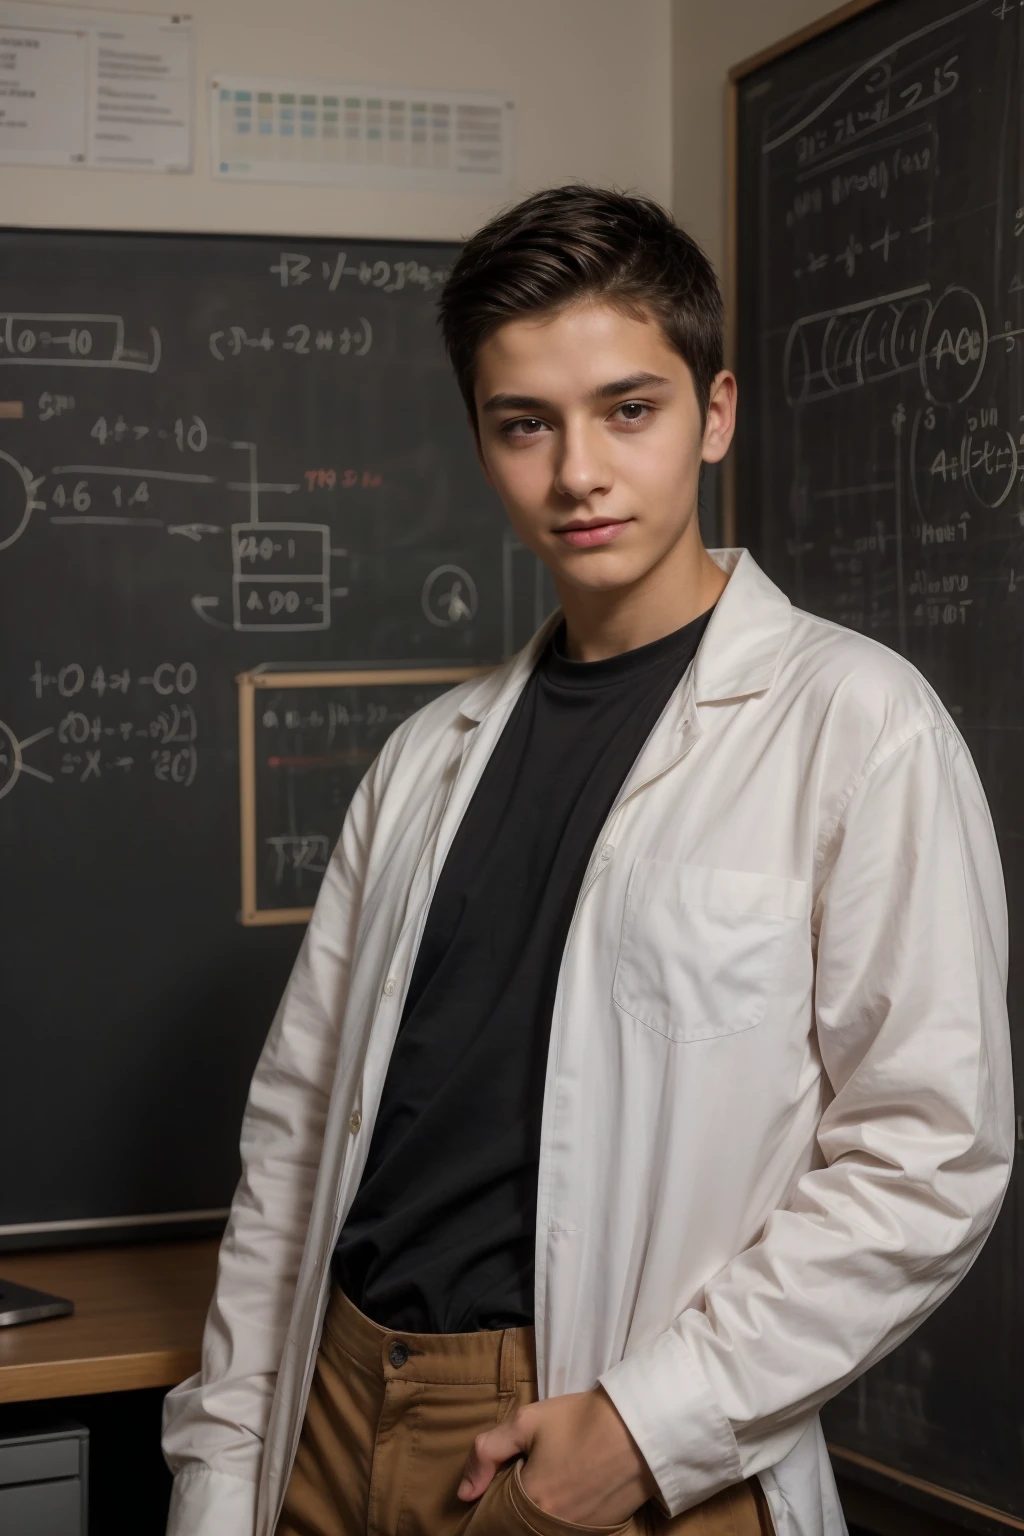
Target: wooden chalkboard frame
{"type": "Point", "coordinates": [929, 1498]}
{"type": "Point", "coordinates": [252, 914]}
{"type": "Point", "coordinates": [736, 75]}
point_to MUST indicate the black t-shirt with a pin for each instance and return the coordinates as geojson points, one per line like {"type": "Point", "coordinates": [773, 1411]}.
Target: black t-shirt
{"type": "Point", "coordinates": [440, 1236]}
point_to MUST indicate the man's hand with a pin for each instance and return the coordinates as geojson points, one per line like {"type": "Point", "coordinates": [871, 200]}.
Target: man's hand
{"type": "Point", "coordinates": [583, 1464]}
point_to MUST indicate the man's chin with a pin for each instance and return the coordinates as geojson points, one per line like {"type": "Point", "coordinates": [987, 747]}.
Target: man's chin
{"type": "Point", "coordinates": [598, 571]}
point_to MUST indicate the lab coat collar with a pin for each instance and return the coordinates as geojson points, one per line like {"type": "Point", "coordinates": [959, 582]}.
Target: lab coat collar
{"type": "Point", "coordinates": [737, 656]}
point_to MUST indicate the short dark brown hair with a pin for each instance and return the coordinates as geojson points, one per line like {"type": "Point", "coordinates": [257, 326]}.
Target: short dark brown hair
{"type": "Point", "coordinates": [578, 242]}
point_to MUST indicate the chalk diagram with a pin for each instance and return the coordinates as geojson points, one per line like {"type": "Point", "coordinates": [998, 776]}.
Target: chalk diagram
{"type": "Point", "coordinates": [17, 499]}
{"type": "Point", "coordinates": [85, 341]}
{"type": "Point", "coordinates": [449, 596]}
{"type": "Point", "coordinates": [946, 343]}
{"type": "Point", "coordinates": [12, 758]}
{"type": "Point", "coordinates": [284, 576]}
{"type": "Point", "coordinates": [281, 573]}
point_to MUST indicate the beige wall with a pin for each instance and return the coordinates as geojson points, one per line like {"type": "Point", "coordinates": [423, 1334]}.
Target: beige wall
{"type": "Point", "coordinates": [632, 97]}
{"type": "Point", "coordinates": [707, 40]}
{"type": "Point", "coordinates": [592, 83]}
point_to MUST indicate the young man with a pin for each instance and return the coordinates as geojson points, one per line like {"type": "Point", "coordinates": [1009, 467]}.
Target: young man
{"type": "Point", "coordinates": [644, 1074]}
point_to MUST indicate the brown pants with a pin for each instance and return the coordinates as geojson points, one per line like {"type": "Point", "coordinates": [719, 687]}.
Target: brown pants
{"type": "Point", "coordinates": [391, 1419]}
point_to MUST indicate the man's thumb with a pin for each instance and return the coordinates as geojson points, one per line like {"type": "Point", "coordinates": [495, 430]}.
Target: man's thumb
{"type": "Point", "coordinates": [490, 1448]}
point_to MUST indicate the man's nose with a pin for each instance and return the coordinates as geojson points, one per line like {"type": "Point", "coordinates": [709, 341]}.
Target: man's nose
{"type": "Point", "coordinates": [582, 467]}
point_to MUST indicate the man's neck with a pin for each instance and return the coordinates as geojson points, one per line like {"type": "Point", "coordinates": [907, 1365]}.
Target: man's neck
{"type": "Point", "coordinates": [603, 624]}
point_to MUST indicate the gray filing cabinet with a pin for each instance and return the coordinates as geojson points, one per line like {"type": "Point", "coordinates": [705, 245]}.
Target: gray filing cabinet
{"type": "Point", "coordinates": [44, 1482]}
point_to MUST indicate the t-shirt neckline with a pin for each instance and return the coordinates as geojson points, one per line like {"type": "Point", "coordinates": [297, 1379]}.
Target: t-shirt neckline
{"type": "Point", "coordinates": [564, 670]}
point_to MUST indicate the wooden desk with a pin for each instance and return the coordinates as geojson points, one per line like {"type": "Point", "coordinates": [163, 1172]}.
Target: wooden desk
{"type": "Point", "coordinates": [139, 1314]}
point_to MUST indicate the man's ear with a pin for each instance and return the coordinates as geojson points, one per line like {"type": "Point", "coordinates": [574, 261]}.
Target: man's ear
{"type": "Point", "coordinates": [475, 434]}
{"type": "Point", "coordinates": [721, 418]}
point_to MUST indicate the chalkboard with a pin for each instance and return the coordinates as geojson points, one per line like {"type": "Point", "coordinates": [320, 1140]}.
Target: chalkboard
{"type": "Point", "coordinates": [878, 270]}
{"type": "Point", "coordinates": [216, 454]}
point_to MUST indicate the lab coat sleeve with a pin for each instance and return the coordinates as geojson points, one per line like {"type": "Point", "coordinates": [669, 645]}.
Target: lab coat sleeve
{"type": "Point", "coordinates": [214, 1423]}
{"type": "Point", "coordinates": [916, 1144]}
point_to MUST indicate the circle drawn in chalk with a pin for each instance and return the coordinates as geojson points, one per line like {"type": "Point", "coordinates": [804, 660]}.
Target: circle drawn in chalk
{"type": "Point", "coordinates": [10, 759]}
{"type": "Point", "coordinates": [796, 366]}
{"type": "Point", "coordinates": [17, 501]}
{"type": "Point", "coordinates": [909, 333]}
{"type": "Point", "coordinates": [449, 596]}
{"type": "Point", "coordinates": [990, 463]}
{"type": "Point", "coordinates": [954, 347]}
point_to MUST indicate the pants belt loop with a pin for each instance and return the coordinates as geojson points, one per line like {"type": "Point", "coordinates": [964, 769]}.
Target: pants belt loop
{"type": "Point", "coordinates": [507, 1363]}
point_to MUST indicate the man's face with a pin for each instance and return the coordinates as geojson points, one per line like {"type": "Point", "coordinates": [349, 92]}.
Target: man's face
{"type": "Point", "coordinates": [590, 432]}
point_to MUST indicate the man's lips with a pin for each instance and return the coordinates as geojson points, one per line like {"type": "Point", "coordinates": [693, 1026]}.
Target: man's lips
{"type": "Point", "coordinates": [585, 535]}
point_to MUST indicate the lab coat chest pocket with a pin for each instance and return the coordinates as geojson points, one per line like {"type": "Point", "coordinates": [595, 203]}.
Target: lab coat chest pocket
{"type": "Point", "coordinates": [700, 946]}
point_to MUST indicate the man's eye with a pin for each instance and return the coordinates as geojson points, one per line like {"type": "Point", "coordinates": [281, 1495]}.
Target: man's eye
{"type": "Point", "coordinates": [532, 426]}
{"type": "Point", "coordinates": [525, 426]}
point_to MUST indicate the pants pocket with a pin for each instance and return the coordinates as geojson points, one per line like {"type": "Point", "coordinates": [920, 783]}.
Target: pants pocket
{"type": "Point", "coordinates": [530, 1517]}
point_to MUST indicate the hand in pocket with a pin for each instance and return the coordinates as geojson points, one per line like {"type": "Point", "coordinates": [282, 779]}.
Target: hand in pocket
{"type": "Point", "coordinates": [583, 1470]}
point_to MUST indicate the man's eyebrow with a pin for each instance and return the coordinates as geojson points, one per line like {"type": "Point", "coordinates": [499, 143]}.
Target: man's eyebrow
{"type": "Point", "coordinates": [626, 386]}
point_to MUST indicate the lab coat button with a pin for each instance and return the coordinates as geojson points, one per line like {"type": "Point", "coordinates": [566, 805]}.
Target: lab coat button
{"type": "Point", "coordinates": [355, 1120]}
{"type": "Point", "coordinates": [606, 851]}
{"type": "Point", "coordinates": [389, 986]}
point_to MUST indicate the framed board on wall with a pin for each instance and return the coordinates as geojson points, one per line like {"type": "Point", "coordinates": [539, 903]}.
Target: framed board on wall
{"type": "Point", "coordinates": [876, 327]}
{"type": "Point", "coordinates": [305, 739]}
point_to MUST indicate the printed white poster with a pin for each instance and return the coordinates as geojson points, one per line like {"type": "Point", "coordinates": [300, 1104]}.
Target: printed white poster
{"type": "Point", "coordinates": [95, 88]}
{"type": "Point", "coordinates": [268, 129]}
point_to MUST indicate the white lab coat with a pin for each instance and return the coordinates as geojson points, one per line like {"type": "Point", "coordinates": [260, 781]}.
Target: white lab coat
{"type": "Point", "coordinates": [777, 1118]}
